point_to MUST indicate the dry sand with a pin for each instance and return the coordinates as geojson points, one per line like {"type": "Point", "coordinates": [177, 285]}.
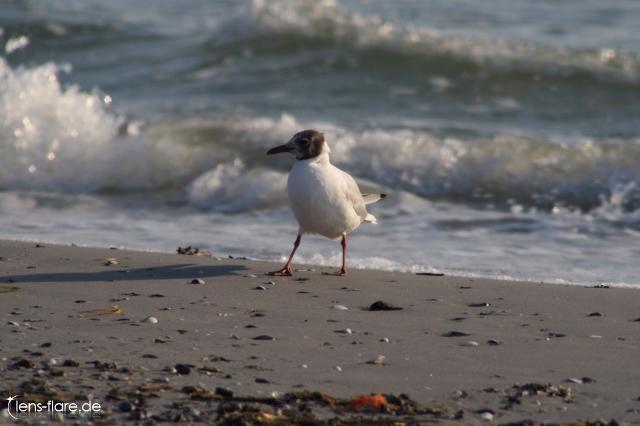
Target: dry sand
{"type": "Point", "coordinates": [547, 353]}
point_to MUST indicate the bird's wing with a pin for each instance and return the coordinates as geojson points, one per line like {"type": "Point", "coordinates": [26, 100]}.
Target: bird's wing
{"type": "Point", "coordinates": [353, 195]}
{"type": "Point", "coordinates": [372, 198]}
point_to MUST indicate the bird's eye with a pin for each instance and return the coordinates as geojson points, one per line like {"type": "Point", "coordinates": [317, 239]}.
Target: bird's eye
{"type": "Point", "coordinates": [305, 141]}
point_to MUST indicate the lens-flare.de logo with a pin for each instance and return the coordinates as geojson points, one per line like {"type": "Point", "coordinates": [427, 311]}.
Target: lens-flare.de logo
{"type": "Point", "coordinates": [17, 409]}
{"type": "Point", "coordinates": [9, 401]}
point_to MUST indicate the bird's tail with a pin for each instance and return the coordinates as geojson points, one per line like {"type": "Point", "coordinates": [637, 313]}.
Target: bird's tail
{"type": "Point", "coordinates": [371, 219]}
{"type": "Point", "coordinates": [372, 198]}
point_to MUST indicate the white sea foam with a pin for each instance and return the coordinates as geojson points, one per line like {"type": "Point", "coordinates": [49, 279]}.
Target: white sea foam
{"type": "Point", "coordinates": [511, 168]}
{"type": "Point", "coordinates": [16, 43]}
{"type": "Point", "coordinates": [60, 138]}
{"type": "Point", "coordinates": [233, 188]}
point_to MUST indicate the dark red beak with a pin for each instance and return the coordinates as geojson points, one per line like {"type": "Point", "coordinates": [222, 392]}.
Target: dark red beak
{"type": "Point", "coordinates": [280, 149]}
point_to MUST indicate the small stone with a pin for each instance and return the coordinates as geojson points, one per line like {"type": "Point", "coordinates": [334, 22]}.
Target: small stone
{"type": "Point", "coordinates": [459, 394]}
{"type": "Point", "coordinates": [493, 342]}
{"type": "Point", "coordinates": [70, 363]}
{"type": "Point", "coordinates": [197, 281]}
{"type": "Point", "coordinates": [338, 368]}
{"type": "Point", "coordinates": [45, 345]}
{"type": "Point", "coordinates": [338, 307]}
{"type": "Point", "coordinates": [595, 314]}
{"type": "Point", "coordinates": [588, 380]}
{"type": "Point", "coordinates": [379, 360]}
{"type": "Point", "coordinates": [270, 283]}
{"type": "Point", "coordinates": [182, 369]}
{"type": "Point", "coordinates": [13, 323]}
{"type": "Point", "coordinates": [260, 287]}
{"type": "Point", "coordinates": [262, 381]}
{"type": "Point", "coordinates": [22, 363]}
{"type": "Point", "coordinates": [264, 337]}
{"type": "Point", "coordinates": [383, 306]}
{"type": "Point", "coordinates": [470, 343]}
{"type": "Point", "coordinates": [223, 392]}
{"type": "Point", "coordinates": [385, 340]}
{"type": "Point", "coordinates": [48, 363]}
{"type": "Point", "coordinates": [455, 334]}
{"type": "Point", "coordinates": [574, 380]}
{"type": "Point", "coordinates": [150, 320]}
{"type": "Point", "coordinates": [125, 407]}
{"type": "Point", "coordinates": [345, 331]}
{"type": "Point", "coordinates": [486, 416]}
{"type": "Point", "coordinates": [479, 305]}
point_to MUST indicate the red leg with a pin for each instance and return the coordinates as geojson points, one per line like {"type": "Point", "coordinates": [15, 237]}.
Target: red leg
{"type": "Point", "coordinates": [343, 270]}
{"type": "Point", "coordinates": [286, 271]}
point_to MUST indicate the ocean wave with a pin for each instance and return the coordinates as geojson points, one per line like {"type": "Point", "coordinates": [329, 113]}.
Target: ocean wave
{"type": "Point", "coordinates": [60, 138]}
{"type": "Point", "coordinates": [232, 188]}
{"type": "Point", "coordinates": [507, 169]}
{"type": "Point", "coordinates": [321, 23]}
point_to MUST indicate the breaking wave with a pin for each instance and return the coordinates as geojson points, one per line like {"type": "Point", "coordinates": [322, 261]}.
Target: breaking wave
{"type": "Point", "coordinates": [324, 23]}
{"type": "Point", "coordinates": [506, 168]}
{"type": "Point", "coordinates": [60, 138]}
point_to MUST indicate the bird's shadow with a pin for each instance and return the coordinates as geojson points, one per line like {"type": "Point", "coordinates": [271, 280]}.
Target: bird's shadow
{"type": "Point", "coordinates": [169, 272]}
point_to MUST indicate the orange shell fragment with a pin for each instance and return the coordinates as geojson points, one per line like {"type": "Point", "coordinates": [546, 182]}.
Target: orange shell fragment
{"type": "Point", "coordinates": [374, 401]}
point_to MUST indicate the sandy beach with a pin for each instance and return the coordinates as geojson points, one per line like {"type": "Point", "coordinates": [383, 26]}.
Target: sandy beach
{"type": "Point", "coordinates": [240, 346]}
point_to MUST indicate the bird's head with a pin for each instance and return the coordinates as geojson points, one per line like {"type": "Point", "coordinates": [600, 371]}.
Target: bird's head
{"type": "Point", "coordinates": [303, 145]}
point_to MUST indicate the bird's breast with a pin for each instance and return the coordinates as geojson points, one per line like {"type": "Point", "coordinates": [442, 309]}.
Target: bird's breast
{"type": "Point", "coordinates": [317, 199]}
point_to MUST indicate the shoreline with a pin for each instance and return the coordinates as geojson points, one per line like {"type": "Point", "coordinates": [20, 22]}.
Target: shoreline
{"type": "Point", "coordinates": [466, 345]}
{"type": "Point", "coordinates": [401, 270]}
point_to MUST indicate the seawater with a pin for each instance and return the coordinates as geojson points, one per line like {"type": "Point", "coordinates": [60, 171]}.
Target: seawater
{"type": "Point", "coordinates": [507, 133]}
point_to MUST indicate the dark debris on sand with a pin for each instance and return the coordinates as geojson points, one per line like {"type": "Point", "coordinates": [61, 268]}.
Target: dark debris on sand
{"type": "Point", "coordinates": [192, 251]}
{"type": "Point", "coordinates": [383, 306]}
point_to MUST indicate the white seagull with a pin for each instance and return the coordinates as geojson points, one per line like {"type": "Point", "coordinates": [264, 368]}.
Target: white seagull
{"type": "Point", "coordinates": [324, 199]}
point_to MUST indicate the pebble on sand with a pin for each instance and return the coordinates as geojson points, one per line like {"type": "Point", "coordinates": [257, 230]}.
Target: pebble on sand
{"type": "Point", "coordinates": [379, 360]}
{"type": "Point", "coordinates": [455, 334]}
{"type": "Point", "coordinates": [383, 306]}
{"type": "Point", "coordinates": [486, 416]}
{"type": "Point", "coordinates": [470, 343]}
{"type": "Point", "coordinates": [338, 307]}
{"type": "Point", "coordinates": [197, 281]}
{"type": "Point", "coordinates": [182, 369]}
{"type": "Point", "coordinates": [150, 320]}
{"type": "Point", "coordinates": [264, 337]}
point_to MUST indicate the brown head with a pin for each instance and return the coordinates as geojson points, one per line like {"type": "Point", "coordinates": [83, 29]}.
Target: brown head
{"type": "Point", "coordinates": [303, 145]}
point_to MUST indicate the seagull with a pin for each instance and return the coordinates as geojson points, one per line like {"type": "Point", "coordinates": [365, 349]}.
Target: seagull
{"type": "Point", "coordinates": [324, 199]}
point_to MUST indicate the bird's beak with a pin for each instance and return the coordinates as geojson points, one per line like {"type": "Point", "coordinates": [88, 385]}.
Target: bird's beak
{"type": "Point", "coordinates": [282, 148]}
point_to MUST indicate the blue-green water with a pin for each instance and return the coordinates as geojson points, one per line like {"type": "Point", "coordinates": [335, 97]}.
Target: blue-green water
{"type": "Point", "coordinates": [507, 132]}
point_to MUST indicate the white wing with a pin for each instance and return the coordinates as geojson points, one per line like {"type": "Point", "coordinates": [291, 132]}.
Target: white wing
{"type": "Point", "coordinates": [352, 193]}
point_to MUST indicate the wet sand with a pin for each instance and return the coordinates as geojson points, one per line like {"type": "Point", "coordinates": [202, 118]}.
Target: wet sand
{"type": "Point", "coordinates": [244, 346]}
